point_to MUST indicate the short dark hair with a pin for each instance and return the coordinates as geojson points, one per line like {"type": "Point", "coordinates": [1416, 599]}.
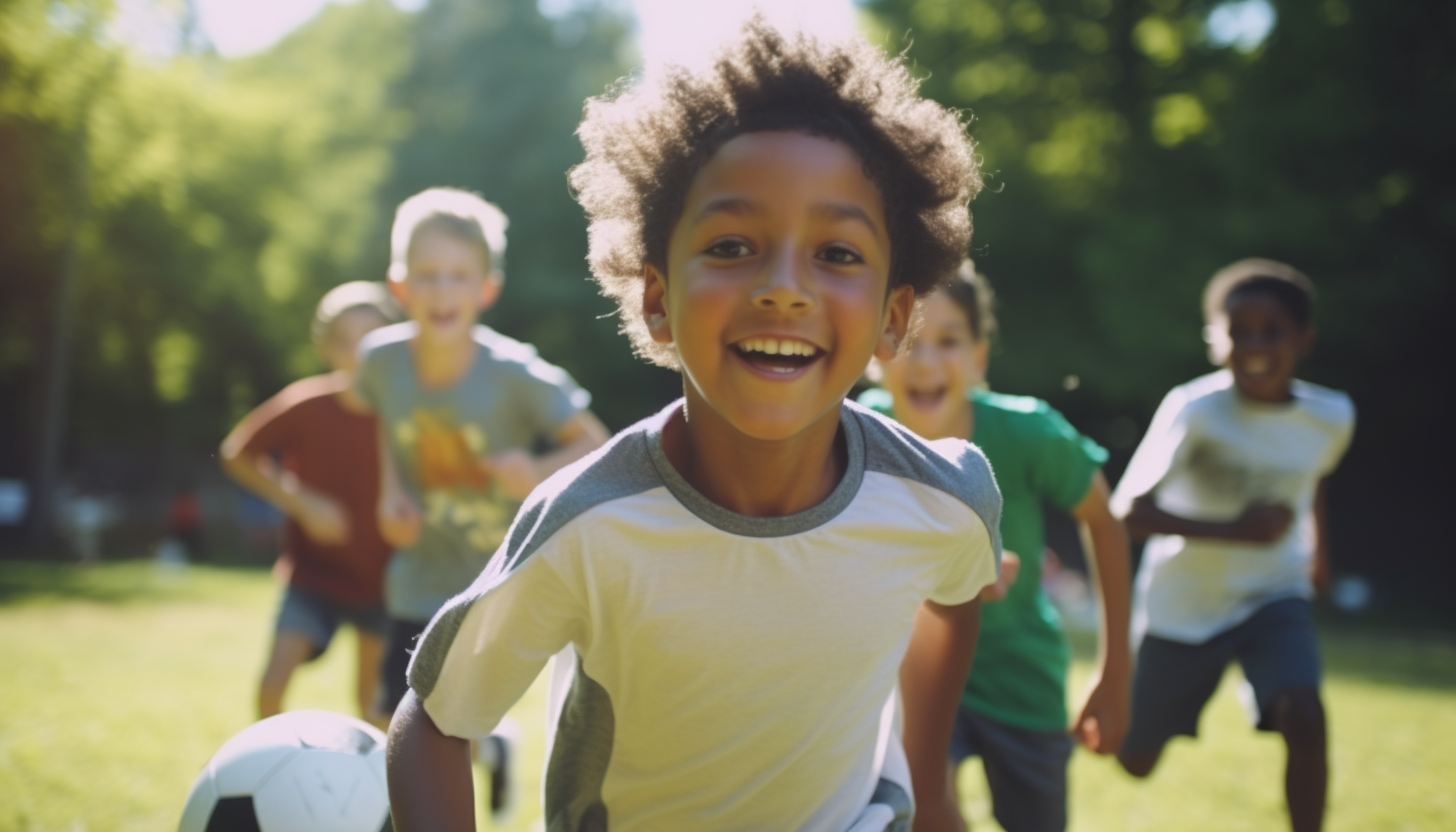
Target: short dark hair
{"type": "Point", "coordinates": [1288, 286]}
{"type": "Point", "coordinates": [645, 141]}
{"type": "Point", "coordinates": [972, 292]}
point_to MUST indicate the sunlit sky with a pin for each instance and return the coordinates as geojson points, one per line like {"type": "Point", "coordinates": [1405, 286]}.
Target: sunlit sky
{"type": "Point", "coordinates": [679, 30]}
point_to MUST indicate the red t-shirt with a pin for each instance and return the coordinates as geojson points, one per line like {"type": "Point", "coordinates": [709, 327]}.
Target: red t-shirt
{"type": "Point", "coordinates": [335, 452]}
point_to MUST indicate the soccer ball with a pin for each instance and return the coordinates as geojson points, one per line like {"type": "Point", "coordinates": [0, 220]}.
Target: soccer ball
{"type": "Point", "coordinates": [300, 771]}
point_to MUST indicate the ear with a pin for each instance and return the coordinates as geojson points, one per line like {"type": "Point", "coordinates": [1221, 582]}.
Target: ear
{"type": "Point", "coordinates": [899, 307]}
{"type": "Point", "coordinates": [490, 289]}
{"type": "Point", "coordinates": [654, 305]}
{"type": "Point", "coordinates": [399, 289]}
{"type": "Point", "coordinates": [1306, 341]}
{"type": "Point", "coordinates": [981, 356]}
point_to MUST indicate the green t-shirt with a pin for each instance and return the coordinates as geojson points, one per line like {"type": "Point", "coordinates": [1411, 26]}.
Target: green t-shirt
{"type": "Point", "coordinates": [1019, 676]}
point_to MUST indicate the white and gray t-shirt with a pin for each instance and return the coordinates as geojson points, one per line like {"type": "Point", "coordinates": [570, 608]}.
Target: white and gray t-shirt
{"type": "Point", "coordinates": [1209, 453]}
{"type": "Point", "coordinates": [717, 671]}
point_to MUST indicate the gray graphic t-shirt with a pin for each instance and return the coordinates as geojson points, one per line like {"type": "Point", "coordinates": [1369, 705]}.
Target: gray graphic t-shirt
{"type": "Point", "coordinates": [509, 399]}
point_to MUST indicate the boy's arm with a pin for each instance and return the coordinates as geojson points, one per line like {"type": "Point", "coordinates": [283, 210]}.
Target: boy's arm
{"type": "Point", "coordinates": [934, 671]}
{"type": "Point", "coordinates": [322, 518]}
{"type": "Point", "coordinates": [1259, 523]}
{"type": "Point", "coordinates": [430, 786]}
{"type": "Point", "coordinates": [1103, 720]}
{"type": "Point", "coordinates": [1320, 569]}
{"type": "Point", "coordinates": [518, 472]}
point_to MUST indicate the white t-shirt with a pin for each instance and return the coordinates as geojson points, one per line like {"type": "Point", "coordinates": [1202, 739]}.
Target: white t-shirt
{"type": "Point", "coordinates": [1208, 453]}
{"type": "Point", "coordinates": [719, 672]}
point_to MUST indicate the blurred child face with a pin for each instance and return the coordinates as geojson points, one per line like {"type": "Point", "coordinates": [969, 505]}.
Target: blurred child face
{"type": "Point", "coordinates": [943, 361]}
{"type": "Point", "coordinates": [1265, 345]}
{"type": "Point", "coordinates": [447, 285]}
{"type": "Point", "coordinates": [775, 290]}
{"type": "Point", "coordinates": [340, 347]}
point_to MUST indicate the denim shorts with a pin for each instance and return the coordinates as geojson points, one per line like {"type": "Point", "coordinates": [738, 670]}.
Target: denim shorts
{"type": "Point", "coordinates": [317, 618]}
{"type": "Point", "coordinates": [1276, 647]}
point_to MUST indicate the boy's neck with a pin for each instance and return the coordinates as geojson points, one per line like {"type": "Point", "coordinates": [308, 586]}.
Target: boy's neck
{"type": "Point", "coordinates": [754, 477]}
{"type": "Point", "coordinates": [442, 363]}
{"type": "Point", "coordinates": [343, 381]}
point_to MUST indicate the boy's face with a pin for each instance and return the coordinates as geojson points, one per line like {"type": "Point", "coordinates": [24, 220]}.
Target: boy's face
{"type": "Point", "coordinates": [1265, 345]}
{"type": "Point", "coordinates": [340, 347]}
{"type": "Point", "coordinates": [447, 285]}
{"type": "Point", "coordinates": [775, 293]}
{"type": "Point", "coordinates": [943, 360]}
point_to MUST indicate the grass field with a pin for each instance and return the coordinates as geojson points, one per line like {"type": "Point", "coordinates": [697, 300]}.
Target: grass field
{"type": "Point", "coordinates": [119, 681]}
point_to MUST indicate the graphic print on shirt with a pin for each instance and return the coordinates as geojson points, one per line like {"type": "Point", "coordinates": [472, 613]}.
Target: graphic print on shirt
{"type": "Point", "coordinates": [1237, 480]}
{"type": "Point", "coordinates": [455, 483]}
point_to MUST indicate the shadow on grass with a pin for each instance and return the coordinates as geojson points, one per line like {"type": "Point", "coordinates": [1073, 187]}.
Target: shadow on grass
{"type": "Point", "coordinates": [124, 582]}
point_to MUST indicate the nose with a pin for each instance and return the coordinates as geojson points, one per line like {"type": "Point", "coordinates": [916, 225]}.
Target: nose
{"type": "Point", "coordinates": [783, 286]}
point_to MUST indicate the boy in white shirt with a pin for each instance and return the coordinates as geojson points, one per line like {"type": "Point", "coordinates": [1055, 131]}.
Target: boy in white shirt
{"type": "Point", "coordinates": [733, 583]}
{"type": "Point", "coordinates": [1229, 485]}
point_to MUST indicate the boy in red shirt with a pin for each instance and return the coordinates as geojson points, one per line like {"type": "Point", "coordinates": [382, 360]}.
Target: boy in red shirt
{"type": "Point", "coordinates": [311, 450]}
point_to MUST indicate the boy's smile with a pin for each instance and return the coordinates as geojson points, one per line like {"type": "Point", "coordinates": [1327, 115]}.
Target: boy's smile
{"type": "Point", "coordinates": [929, 381]}
{"type": "Point", "coordinates": [447, 285]}
{"type": "Point", "coordinates": [775, 295]}
{"type": "Point", "coordinates": [1265, 345]}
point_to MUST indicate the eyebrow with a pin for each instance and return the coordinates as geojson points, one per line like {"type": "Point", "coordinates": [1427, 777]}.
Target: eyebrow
{"type": "Point", "coordinates": [736, 205]}
{"type": "Point", "coordinates": [741, 206]}
{"type": "Point", "coordinates": [844, 211]}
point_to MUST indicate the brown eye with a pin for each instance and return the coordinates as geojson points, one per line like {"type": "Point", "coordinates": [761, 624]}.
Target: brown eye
{"type": "Point", "coordinates": [840, 255]}
{"type": "Point", "coordinates": [728, 249]}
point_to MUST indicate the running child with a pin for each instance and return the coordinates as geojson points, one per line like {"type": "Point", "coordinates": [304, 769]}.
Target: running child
{"type": "Point", "coordinates": [462, 410]}
{"type": "Point", "coordinates": [1013, 710]}
{"type": "Point", "coordinates": [732, 583]}
{"type": "Point", "coordinates": [311, 451]}
{"type": "Point", "coordinates": [1229, 483]}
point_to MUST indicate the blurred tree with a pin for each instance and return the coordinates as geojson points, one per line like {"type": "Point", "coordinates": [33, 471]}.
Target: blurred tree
{"type": "Point", "coordinates": [495, 92]}
{"type": "Point", "coordinates": [1135, 146]}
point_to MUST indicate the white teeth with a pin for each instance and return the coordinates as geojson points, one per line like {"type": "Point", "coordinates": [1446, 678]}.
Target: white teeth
{"type": "Point", "coordinates": [776, 346]}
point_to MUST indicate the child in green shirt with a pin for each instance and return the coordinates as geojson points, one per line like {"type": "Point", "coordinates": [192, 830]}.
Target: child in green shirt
{"type": "Point", "coordinates": [1013, 710]}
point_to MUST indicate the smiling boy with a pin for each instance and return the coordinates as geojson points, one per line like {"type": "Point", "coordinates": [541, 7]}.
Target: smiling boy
{"type": "Point", "coordinates": [732, 583]}
{"type": "Point", "coordinates": [1229, 483]}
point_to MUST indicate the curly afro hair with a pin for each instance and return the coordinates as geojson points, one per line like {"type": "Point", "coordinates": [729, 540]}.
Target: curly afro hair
{"type": "Point", "coordinates": [645, 142]}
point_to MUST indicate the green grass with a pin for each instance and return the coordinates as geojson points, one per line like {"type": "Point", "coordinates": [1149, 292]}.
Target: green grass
{"type": "Point", "coordinates": [118, 682]}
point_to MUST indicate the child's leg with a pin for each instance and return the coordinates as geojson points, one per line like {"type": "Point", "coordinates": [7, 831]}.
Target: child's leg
{"type": "Point", "coordinates": [1172, 683]}
{"type": "Point", "coordinates": [395, 664]}
{"type": "Point", "coordinates": [290, 650]}
{"type": "Point", "coordinates": [371, 658]}
{"type": "Point", "coordinates": [1025, 770]}
{"type": "Point", "coordinates": [1280, 658]}
{"type": "Point", "coordinates": [306, 623]}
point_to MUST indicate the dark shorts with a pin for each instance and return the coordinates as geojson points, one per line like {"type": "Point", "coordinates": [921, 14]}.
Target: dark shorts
{"type": "Point", "coordinates": [1026, 770]}
{"type": "Point", "coordinates": [394, 682]}
{"type": "Point", "coordinates": [1276, 647]}
{"type": "Point", "coordinates": [317, 618]}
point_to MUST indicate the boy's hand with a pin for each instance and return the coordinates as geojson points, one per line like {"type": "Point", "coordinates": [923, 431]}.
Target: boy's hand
{"type": "Point", "coordinates": [399, 519]}
{"type": "Point", "coordinates": [322, 518]}
{"type": "Point", "coordinates": [1103, 720]}
{"type": "Point", "coordinates": [939, 816]}
{"type": "Point", "coordinates": [515, 472]}
{"type": "Point", "coordinates": [1263, 522]}
{"type": "Point", "coordinates": [1010, 568]}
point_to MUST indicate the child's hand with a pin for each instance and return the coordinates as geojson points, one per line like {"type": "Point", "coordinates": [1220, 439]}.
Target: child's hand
{"type": "Point", "coordinates": [515, 472]}
{"type": "Point", "coordinates": [322, 518]}
{"type": "Point", "coordinates": [1263, 522]}
{"type": "Point", "coordinates": [1010, 568]}
{"type": "Point", "coordinates": [1103, 720]}
{"type": "Point", "coordinates": [1319, 575]}
{"type": "Point", "coordinates": [399, 518]}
